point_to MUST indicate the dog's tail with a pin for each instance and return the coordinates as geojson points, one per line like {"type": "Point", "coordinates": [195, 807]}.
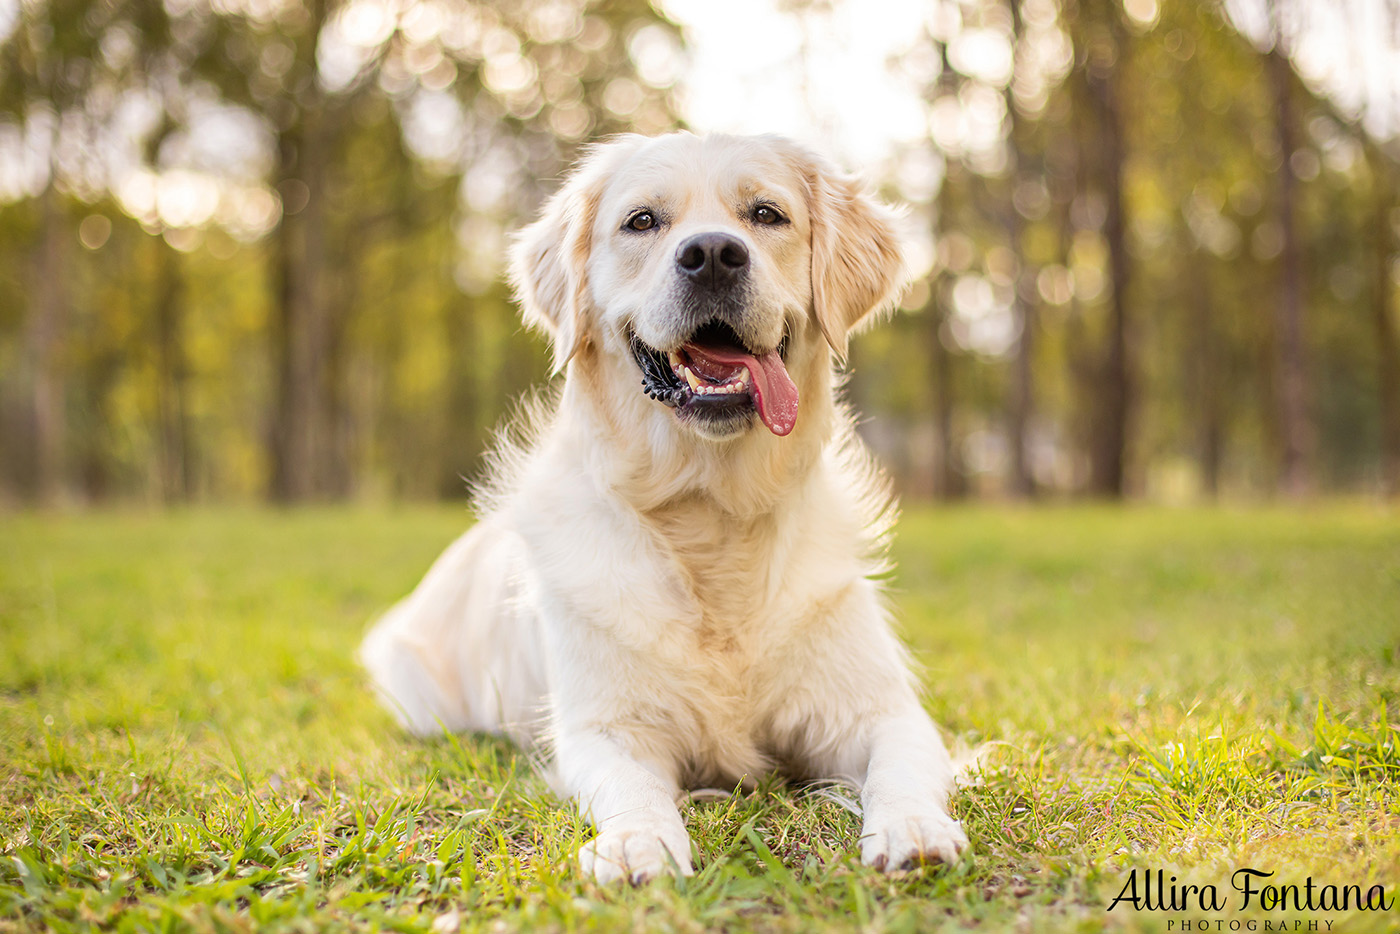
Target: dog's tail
{"type": "Point", "coordinates": [968, 761]}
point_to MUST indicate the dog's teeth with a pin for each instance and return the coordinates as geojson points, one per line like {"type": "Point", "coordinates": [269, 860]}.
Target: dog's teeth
{"type": "Point", "coordinates": [691, 378]}
{"type": "Point", "coordinates": [675, 358]}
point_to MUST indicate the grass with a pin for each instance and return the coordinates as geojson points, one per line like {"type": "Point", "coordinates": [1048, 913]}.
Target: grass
{"type": "Point", "coordinates": [186, 743]}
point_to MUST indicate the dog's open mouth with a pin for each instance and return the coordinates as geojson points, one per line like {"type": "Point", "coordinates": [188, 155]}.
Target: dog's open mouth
{"type": "Point", "coordinates": [715, 376]}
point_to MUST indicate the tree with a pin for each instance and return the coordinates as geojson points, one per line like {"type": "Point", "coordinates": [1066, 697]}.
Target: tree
{"type": "Point", "coordinates": [1020, 408]}
{"type": "Point", "coordinates": [1383, 311]}
{"type": "Point", "coordinates": [1290, 356]}
{"type": "Point", "coordinates": [63, 71]}
{"type": "Point", "coordinates": [511, 95]}
{"type": "Point", "coordinates": [1102, 47]}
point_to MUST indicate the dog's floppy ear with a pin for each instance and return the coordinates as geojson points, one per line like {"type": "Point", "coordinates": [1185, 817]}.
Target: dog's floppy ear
{"type": "Point", "coordinates": [549, 259]}
{"type": "Point", "coordinates": [857, 264]}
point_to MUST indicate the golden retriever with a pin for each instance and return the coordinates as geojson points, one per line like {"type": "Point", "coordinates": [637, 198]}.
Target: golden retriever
{"type": "Point", "coordinates": [674, 579]}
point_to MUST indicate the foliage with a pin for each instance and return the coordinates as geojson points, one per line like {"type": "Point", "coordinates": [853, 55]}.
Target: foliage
{"type": "Point", "coordinates": [251, 247]}
{"type": "Point", "coordinates": [186, 743]}
{"type": "Point", "coordinates": [1025, 249]}
{"type": "Point", "coordinates": [308, 304]}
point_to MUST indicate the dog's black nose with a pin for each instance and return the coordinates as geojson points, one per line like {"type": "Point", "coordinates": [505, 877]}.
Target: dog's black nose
{"type": "Point", "coordinates": [714, 260]}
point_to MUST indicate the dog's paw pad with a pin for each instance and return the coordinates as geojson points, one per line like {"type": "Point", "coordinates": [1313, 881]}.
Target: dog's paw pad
{"type": "Point", "coordinates": [902, 840]}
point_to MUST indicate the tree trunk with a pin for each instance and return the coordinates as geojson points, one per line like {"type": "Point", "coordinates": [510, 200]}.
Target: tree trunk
{"type": "Point", "coordinates": [1021, 402]}
{"type": "Point", "coordinates": [1205, 372]}
{"type": "Point", "coordinates": [300, 332]}
{"type": "Point", "coordinates": [948, 481]}
{"type": "Point", "coordinates": [293, 444]}
{"type": "Point", "coordinates": [1295, 433]}
{"type": "Point", "coordinates": [172, 375]}
{"type": "Point", "coordinates": [1022, 407]}
{"type": "Point", "coordinates": [464, 415]}
{"type": "Point", "coordinates": [1064, 160]}
{"type": "Point", "coordinates": [1383, 316]}
{"type": "Point", "coordinates": [43, 340]}
{"type": "Point", "coordinates": [1109, 441]}
{"type": "Point", "coordinates": [339, 460]}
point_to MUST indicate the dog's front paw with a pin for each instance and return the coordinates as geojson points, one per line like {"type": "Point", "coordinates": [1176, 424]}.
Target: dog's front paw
{"type": "Point", "coordinates": [893, 841]}
{"type": "Point", "coordinates": [635, 854]}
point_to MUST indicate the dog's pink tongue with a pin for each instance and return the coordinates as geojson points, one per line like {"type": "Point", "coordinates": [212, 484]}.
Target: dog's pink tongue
{"type": "Point", "coordinates": [774, 393]}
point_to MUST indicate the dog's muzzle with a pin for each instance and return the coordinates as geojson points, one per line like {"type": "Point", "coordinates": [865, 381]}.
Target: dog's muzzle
{"type": "Point", "coordinates": [714, 377]}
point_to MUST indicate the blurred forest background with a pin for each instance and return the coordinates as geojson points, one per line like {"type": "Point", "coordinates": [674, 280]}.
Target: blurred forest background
{"type": "Point", "coordinates": [252, 248]}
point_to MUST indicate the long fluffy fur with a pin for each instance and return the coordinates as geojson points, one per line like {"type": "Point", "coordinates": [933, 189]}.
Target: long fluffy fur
{"type": "Point", "coordinates": [663, 609]}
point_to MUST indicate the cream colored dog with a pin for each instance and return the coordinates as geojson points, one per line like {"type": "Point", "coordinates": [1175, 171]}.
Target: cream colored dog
{"type": "Point", "coordinates": [673, 580]}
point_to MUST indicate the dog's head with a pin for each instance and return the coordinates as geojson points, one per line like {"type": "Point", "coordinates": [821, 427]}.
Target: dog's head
{"type": "Point", "coordinates": [715, 275]}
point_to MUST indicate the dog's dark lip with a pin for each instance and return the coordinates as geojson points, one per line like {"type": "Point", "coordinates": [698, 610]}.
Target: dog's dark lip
{"type": "Point", "coordinates": [661, 382]}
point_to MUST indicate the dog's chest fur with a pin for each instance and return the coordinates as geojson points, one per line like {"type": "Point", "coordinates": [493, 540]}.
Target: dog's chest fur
{"type": "Point", "coordinates": [727, 644]}
{"type": "Point", "coordinates": [722, 563]}
{"type": "Point", "coordinates": [699, 624]}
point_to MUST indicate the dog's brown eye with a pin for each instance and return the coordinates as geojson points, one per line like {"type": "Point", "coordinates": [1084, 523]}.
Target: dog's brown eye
{"type": "Point", "coordinates": [643, 221]}
{"type": "Point", "coordinates": [767, 214]}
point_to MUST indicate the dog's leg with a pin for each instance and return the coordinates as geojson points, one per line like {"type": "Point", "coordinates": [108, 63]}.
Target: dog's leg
{"type": "Point", "coordinates": [631, 802]}
{"type": "Point", "coordinates": [854, 714]}
{"type": "Point", "coordinates": [908, 781]}
{"type": "Point", "coordinates": [458, 653]}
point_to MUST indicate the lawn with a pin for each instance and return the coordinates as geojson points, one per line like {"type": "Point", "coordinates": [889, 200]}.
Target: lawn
{"type": "Point", "coordinates": [186, 742]}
